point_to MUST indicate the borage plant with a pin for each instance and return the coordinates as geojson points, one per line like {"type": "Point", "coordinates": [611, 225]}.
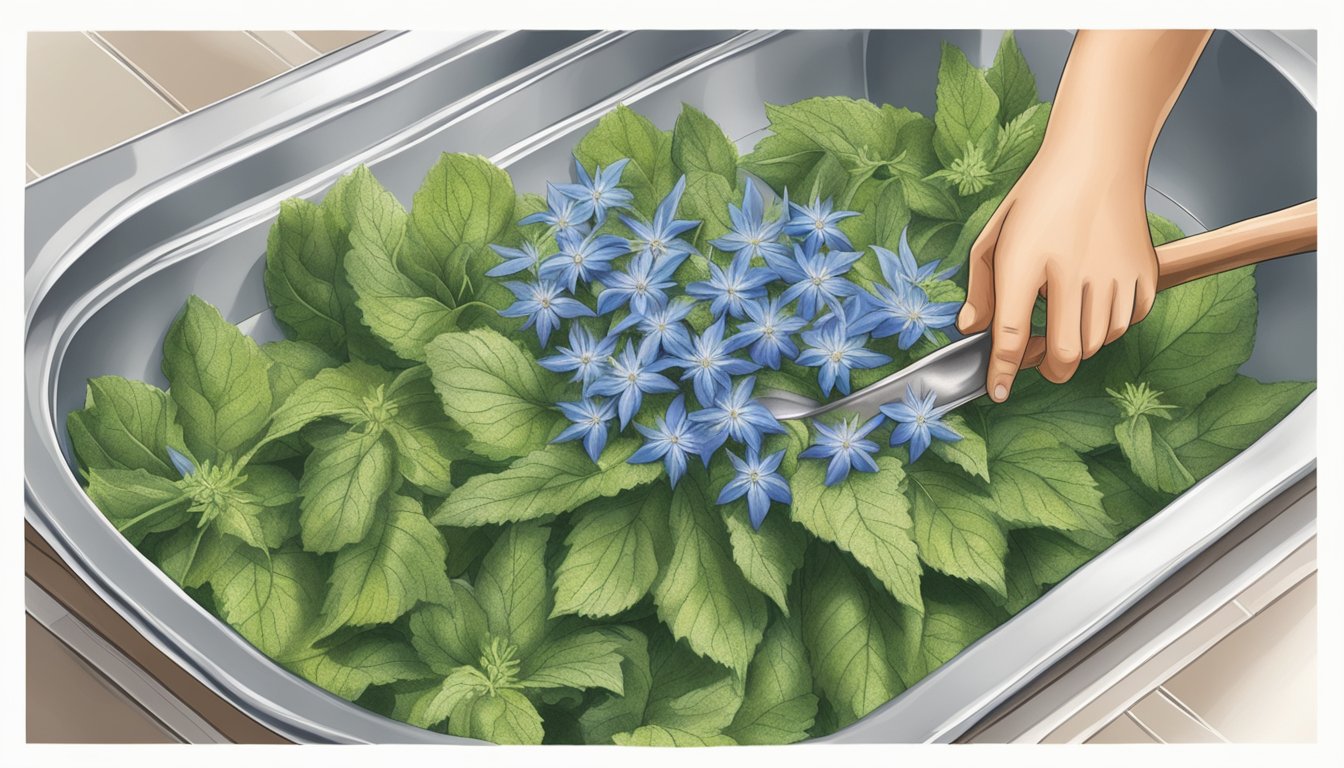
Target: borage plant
{"type": "Point", "coordinates": [508, 478]}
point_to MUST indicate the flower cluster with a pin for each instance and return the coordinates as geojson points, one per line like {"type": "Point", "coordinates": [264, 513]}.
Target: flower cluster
{"type": "Point", "coordinates": [785, 293]}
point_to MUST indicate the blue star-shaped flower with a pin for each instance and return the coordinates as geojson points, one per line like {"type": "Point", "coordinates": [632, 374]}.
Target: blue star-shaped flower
{"type": "Point", "coordinates": [663, 327]}
{"type": "Point", "coordinates": [563, 213]}
{"type": "Point", "coordinates": [660, 238]}
{"type": "Point", "coordinates": [904, 310]}
{"type": "Point", "coordinates": [758, 479]}
{"type": "Point", "coordinates": [918, 421]}
{"type": "Point", "coordinates": [816, 225]}
{"type": "Point", "coordinates": [599, 190]}
{"type": "Point", "coordinates": [737, 415]}
{"type": "Point", "coordinates": [770, 332]}
{"type": "Point", "coordinates": [729, 290]}
{"type": "Point", "coordinates": [673, 440]}
{"type": "Point", "coordinates": [901, 267]}
{"type": "Point", "coordinates": [708, 362]}
{"type": "Point", "coordinates": [836, 352]}
{"type": "Point", "coordinates": [816, 279]}
{"type": "Point", "coordinates": [515, 259]}
{"type": "Point", "coordinates": [544, 304]}
{"type": "Point", "coordinates": [585, 355]}
{"type": "Point", "coordinates": [751, 232]}
{"type": "Point", "coordinates": [642, 285]}
{"type": "Point", "coordinates": [846, 445]}
{"type": "Point", "coordinates": [590, 419]}
{"type": "Point", "coordinates": [630, 376]}
{"type": "Point", "coordinates": [583, 258]}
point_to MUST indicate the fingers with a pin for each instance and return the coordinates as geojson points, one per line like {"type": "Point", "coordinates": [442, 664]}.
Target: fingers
{"type": "Point", "coordinates": [1035, 352]}
{"type": "Point", "coordinates": [1145, 293]}
{"type": "Point", "coordinates": [1011, 329]}
{"type": "Point", "coordinates": [1122, 311]}
{"type": "Point", "coordinates": [1096, 312]}
{"type": "Point", "coordinates": [979, 307]}
{"type": "Point", "coordinates": [1063, 333]}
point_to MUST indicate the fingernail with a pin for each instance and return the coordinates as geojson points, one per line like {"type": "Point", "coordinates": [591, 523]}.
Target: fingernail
{"type": "Point", "coordinates": [1000, 392]}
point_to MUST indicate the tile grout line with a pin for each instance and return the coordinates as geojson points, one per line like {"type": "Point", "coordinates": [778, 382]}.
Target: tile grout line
{"type": "Point", "coordinates": [302, 42]}
{"type": "Point", "coordinates": [139, 74]}
{"type": "Point", "coordinates": [254, 38]}
{"type": "Point", "coordinates": [1151, 733]}
{"type": "Point", "coordinates": [1190, 713]}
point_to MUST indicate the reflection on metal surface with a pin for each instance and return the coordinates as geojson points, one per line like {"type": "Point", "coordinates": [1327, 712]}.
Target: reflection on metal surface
{"type": "Point", "coordinates": [114, 246]}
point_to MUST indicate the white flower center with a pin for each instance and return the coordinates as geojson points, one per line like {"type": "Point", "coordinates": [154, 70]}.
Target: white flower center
{"type": "Point", "coordinates": [845, 444]}
{"type": "Point", "coordinates": [641, 286]}
{"type": "Point", "coordinates": [768, 330]}
{"type": "Point", "coordinates": [674, 439]}
{"type": "Point", "coordinates": [816, 282]}
{"type": "Point", "coordinates": [578, 258]}
{"type": "Point", "coordinates": [754, 476]}
{"type": "Point", "coordinates": [631, 377]}
{"type": "Point", "coordinates": [733, 414]}
{"type": "Point", "coordinates": [920, 419]}
{"type": "Point", "coordinates": [706, 362]}
{"type": "Point", "coordinates": [837, 356]}
{"type": "Point", "coordinates": [585, 359]}
{"type": "Point", "coordinates": [662, 326]}
{"type": "Point", "coordinates": [545, 303]}
{"type": "Point", "coordinates": [819, 224]}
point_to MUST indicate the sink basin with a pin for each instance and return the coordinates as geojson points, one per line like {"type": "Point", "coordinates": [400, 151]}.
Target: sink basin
{"type": "Point", "coordinates": [116, 244]}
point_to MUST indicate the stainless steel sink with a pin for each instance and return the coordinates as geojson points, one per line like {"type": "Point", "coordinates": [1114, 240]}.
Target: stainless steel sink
{"type": "Point", "coordinates": [115, 244]}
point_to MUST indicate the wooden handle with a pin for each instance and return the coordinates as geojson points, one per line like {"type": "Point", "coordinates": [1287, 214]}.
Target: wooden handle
{"type": "Point", "coordinates": [1271, 236]}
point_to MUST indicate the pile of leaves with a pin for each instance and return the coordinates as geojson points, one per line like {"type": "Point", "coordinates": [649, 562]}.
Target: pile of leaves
{"type": "Point", "coordinates": [378, 504]}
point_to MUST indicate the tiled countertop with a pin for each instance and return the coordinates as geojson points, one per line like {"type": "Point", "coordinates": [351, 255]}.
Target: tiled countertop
{"type": "Point", "coordinates": [88, 91]}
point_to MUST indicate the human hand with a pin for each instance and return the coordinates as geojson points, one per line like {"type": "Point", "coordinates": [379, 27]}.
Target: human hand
{"type": "Point", "coordinates": [1073, 229]}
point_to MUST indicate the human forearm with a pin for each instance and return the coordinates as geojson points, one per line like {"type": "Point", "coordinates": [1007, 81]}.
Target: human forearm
{"type": "Point", "coordinates": [1116, 92]}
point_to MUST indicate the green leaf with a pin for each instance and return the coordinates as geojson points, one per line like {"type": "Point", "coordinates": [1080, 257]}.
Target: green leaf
{"type": "Point", "coordinates": [512, 586]}
{"type": "Point", "coordinates": [688, 692]}
{"type": "Point", "coordinates": [611, 560]}
{"type": "Point", "coordinates": [1193, 340]}
{"type": "Point", "coordinates": [856, 636]}
{"type": "Point", "coordinates": [1126, 499]}
{"type": "Point", "coordinates": [767, 557]}
{"type": "Point", "coordinates": [658, 736]}
{"type": "Point", "coordinates": [136, 502]}
{"type": "Point", "coordinates": [344, 481]}
{"type": "Point", "coordinates": [954, 617]}
{"type": "Point", "coordinates": [975, 223]}
{"type": "Point", "coordinates": [969, 452]}
{"type": "Point", "coordinates": [303, 268]}
{"type": "Point", "coordinates": [706, 200]}
{"type": "Point", "coordinates": [276, 492]}
{"type": "Point", "coordinates": [495, 391]}
{"type": "Point", "coordinates": [382, 576]}
{"type": "Point", "coordinates": [967, 110]}
{"type": "Point", "coordinates": [1080, 416]}
{"type": "Point", "coordinates": [929, 199]}
{"type": "Point", "coordinates": [125, 425]}
{"type": "Point", "coordinates": [427, 440]}
{"type": "Point", "coordinates": [612, 714]}
{"type": "Point", "coordinates": [623, 133]}
{"type": "Point", "coordinates": [841, 126]}
{"type": "Point", "coordinates": [348, 669]}
{"type": "Point", "coordinates": [1011, 79]}
{"type": "Point", "coordinates": [550, 481]}
{"type": "Point", "coordinates": [1171, 456]}
{"type": "Point", "coordinates": [272, 599]}
{"type": "Point", "coordinates": [219, 382]}
{"type": "Point", "coordinates": [505, 717]}
{"type": "Point", "coordinates": [883, 214]}
{"type": "Point", "coordinates": [341, 392]}
{"type": "Point", "coordinates": [464, 205]}
{"type": "Point", "coordinates": [584, 659]}
{"type": "Point", "coordinates": [403, 314]}
{"type": "Point", "coordinates": [191, 557]}
{"type": "Point", "coordinates": [956, 528]}
{"type": "Point", "coordinates": [782, 160]}
{"type": "Point", "coordinates": [438, 704]}
{"type": "Point", "coordinates": [1162, 230]}
{"type": "Point", "coordinates": [1018, 144]}
{"type": "Point", "coordinates": [866, 515]}
{"type": "Point", "coordinates": [699, 144]}
{"type": "Point", "coordinates": [1036, 481]}
{"type": "Point", "coordinates": [701, 595]}
{"type": "Point", "coordinates": [778, 706]}
{"type": "Point", "coordinates": [450, 636]}
{"type": "Point", "coordinates": [293, 363]}
{"type": "Point", "coordinates": [1039, 558]}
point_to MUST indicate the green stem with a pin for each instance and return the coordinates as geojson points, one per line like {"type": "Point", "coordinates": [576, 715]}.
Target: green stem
{"type": "Point", "coordinates": [123, 526]}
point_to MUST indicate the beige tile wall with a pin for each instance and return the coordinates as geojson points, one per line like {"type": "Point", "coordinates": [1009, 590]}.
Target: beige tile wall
{"type": "Point", "coordinates": [88, 91]}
